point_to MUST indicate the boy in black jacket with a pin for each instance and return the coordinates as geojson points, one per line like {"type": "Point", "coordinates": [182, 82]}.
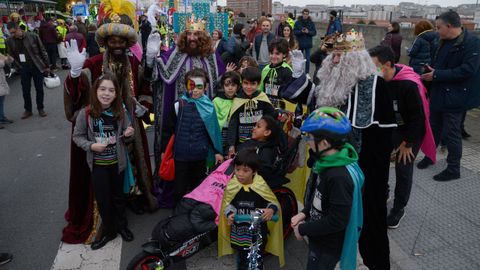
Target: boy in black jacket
{"type": "Point", "coordinates": [405, 89]}
{"type": "Point", "coordinates": [332, 217]}
{"type": "Point", "coordinates": [248, 107]}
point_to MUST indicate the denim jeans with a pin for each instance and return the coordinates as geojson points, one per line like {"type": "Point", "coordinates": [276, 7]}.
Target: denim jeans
{"type": "Point", "coordinates": [27, 72]}
{"type": "Point", "coordinates": [2, 112]}
{"type": "Point", "coordinates": [447, 126]}
{"type": "Point", "coordinates": [306, 53]}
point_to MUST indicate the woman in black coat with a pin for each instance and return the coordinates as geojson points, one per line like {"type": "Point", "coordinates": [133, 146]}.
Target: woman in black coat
{"type": "Point", "coordinates": [393, 39]}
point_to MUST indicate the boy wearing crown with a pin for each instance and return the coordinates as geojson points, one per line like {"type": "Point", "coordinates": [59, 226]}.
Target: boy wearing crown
{"type": "Point", "coordinates": [349, 80]}
{"type": "Point", "coordinates": [193, 50]}
{"type": "Point", "coordinates": [117, 34]}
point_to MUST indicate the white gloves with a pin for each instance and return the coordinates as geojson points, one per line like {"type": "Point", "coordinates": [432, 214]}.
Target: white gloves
{"type": "Point", "coordinates": [140, 110]}
{"type": "Point", "coordinates": [153, 47]}
{"type": "Point", "coordinates": [298, 63]}
{"type": "Point", "coordinates": [75, 58]}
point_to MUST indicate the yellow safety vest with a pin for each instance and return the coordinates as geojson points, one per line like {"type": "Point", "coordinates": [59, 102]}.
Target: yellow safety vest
{"type": "Point", "coordinates": [2, 41]}
{"type": "Point", "coordinates": [62, 30]}
{"type": "Point", "coordinates": [23, 23]}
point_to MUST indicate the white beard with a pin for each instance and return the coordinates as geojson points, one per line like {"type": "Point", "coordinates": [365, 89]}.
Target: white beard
{"type": "Point", "coordinates": [337, 81]}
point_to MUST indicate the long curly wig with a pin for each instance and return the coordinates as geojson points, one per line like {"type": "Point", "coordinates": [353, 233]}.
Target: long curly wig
{"type": "Point", "coordinates": [204, 42]}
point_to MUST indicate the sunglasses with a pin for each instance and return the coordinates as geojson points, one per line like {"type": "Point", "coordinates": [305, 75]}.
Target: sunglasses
{"type": "Point", "coordinates": [191, 85]}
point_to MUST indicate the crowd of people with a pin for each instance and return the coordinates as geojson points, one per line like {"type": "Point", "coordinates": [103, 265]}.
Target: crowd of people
{"type": "Point", "coordinates": [229, 95]}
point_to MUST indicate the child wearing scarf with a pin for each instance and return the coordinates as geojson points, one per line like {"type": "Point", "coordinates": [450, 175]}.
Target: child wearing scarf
{"type": "Point", "coordinates": [194, 122]}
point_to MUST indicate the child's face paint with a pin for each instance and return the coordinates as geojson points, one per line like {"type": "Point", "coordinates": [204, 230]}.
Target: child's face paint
{"type": "Point", "coordinates": [195, 87]}
{"type": "Point", "coordinates": [244, 174]}
{"type": "Point", "coordinates": [106, 93]}
{"type": "Point", "coordinates": [249, 87]}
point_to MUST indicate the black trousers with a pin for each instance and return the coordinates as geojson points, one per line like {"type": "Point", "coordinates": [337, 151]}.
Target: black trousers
{"type": "Point", "coordinates": [321, 261]}
{"type": "Point", "coordinates": [27, 73]}
{"type": "Point", "coordinates": [111, 201]}
{"type": "Point", "coordinates": [188, 175]}
{"type": "Point", "coordinates": [52, 54]}
{"type": "Point", "coordinates": [375, 164]}
{"type": "Point", "coordinates": [403, 174]}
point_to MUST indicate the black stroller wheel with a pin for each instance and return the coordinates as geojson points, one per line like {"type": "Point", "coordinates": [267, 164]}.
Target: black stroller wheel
{"type": "Point", "coordinates": [146, 261]}
{"type": "Point", "coordinates": [289, 206]}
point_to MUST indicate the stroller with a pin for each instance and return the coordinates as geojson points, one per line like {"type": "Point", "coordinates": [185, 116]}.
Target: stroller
{"type": "Point", "coordinates": [193, 225]}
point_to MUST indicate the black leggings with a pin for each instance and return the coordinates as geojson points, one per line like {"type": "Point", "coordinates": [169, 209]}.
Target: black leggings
{"type": "Point", "coordinates": [111, 201]}
{"type": "Point", "coordinates": [188, 175]}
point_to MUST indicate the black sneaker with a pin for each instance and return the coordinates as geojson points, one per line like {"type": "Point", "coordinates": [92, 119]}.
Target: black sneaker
{"type": "Point", "coordinates": [465, 134]}
{"type": "Point", "coordinates": [446, 176]}
{"type": "Point", "coordinates": [5, 258]}
{"type": "Point", "coordinates": [393, 219]}
{"type": "Point", "coordinates": [424, 163]}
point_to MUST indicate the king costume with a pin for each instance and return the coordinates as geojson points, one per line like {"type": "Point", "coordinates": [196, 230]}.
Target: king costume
{"type": "Point", "coordinates": [116, 20]}
{"type": "Point", "coordinates": [168, 76]}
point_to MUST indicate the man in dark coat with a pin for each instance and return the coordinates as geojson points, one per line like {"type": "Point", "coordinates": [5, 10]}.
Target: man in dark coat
{"type": "Point", "coordinates": [455, 79]}
{"type": "Point", "coordinates": [48, 35]}
{"type": "Point", "coordinates": [305, 30]}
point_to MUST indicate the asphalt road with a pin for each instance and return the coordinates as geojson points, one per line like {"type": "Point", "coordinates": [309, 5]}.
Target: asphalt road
{"type": "Point", "coordinates": [34, 165]}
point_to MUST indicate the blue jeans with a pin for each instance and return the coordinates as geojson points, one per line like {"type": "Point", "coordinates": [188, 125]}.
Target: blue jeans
{"type": "Point", "coordinates": [2, 112]}
{"type": "Point", "coordinates": [306, 53]}
{"type": "Point", "coordinates": [447, 126]}
{"type": "Point", "coordinates": [27, 72]}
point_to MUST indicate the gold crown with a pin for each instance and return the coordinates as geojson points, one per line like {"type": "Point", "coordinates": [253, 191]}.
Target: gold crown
{"type": "Point", "coordinates": [349, 42]}
{"type": "Point", "coordinates": [192, 25]}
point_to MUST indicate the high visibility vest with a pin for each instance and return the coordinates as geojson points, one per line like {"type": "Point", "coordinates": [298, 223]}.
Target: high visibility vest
{"type": "Point", "coordinates": [291, 22]}
{"type": "Point", "coordinates": [62, 31]}
{"type": "Point", "coordinates": [2, 41]}
{"type": "Point", "coordinates": [23, 23]}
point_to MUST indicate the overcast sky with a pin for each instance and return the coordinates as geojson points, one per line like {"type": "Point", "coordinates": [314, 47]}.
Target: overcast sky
{"type": "Point", "coordinates": [386, 2]}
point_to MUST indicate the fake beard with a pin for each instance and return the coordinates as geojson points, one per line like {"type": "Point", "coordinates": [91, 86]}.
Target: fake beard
{"type": "Point", "coordinates": [337, 80]}
{"type": "Point", "coordinates": [192, 51]}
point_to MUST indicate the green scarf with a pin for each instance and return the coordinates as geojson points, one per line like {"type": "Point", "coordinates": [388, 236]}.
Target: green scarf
{"type": "Point", "coordinates": [343, 157]}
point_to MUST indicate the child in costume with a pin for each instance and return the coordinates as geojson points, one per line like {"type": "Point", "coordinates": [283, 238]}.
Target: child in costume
{"type": "Point", "coordinates": [266, 141]}
{"type": "Point", "coordinates": [278, 74]}
{"type": "Point", "coordinates": [101, 130]}
{"type": "Point", "coordinates": [223, 102]}
{"type": "Point", "coordinates": [248, 107]}
{"type": "Point", "coordinates": [333, 215]}
{"type": "Point", "coordinates": [194, 123]}
{"type": "Point", "coordinates": [245, 193]}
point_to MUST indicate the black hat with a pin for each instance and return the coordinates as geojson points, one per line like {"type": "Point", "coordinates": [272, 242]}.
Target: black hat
{"type": "Point", "coordinates": [333, 13]}
{"type": "Point", "coordinates": [298, 90]}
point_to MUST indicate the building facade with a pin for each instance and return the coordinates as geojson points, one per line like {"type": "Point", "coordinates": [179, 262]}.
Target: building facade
{"type": "Point", "coordinates": [251, 8]}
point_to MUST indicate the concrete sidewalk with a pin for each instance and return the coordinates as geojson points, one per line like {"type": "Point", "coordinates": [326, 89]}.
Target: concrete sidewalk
{"type": "Point", "coordinates": [441, 228]}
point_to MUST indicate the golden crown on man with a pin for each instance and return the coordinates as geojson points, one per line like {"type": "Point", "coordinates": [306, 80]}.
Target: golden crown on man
{"type": "Point", "coordinates": [349, 42]}
{"type": "Point", "coordinates": [195, 25]}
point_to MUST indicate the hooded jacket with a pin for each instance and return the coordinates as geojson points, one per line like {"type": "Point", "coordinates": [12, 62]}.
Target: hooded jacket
{"type": "Point", "coordinates": [422, 50]}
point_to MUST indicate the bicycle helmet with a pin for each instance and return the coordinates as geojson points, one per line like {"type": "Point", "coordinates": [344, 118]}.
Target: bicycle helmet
{"type": "Point", "coordinates": [328, 123]}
